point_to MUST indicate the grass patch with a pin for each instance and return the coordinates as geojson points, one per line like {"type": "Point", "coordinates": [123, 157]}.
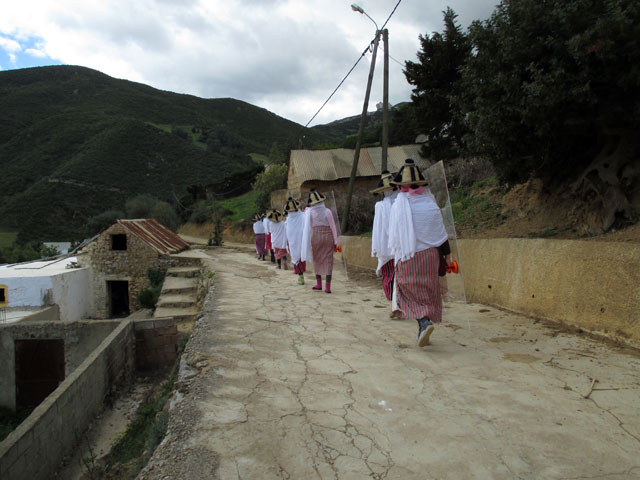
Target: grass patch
{"type": "Point", "coordinates": [243, 207]}
{"type": "Point", "coordinates": [9, 420]}
{"type": "Point", "coordinates": [259, 158]}
{"type": "Point", "coordinates": [470, 207]}
{"type": "Point", "coordinates": [7, 239]}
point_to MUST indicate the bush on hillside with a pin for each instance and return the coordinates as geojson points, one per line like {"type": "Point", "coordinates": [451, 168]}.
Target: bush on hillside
{"type": "Point", "coordinates": [100, 222]}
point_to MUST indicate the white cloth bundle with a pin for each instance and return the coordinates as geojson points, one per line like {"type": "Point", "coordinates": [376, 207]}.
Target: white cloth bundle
{"type": "Point", "coordinates": [278, 234]}
{"type": "Point", "coordinates": [416, 224]}
{"type": "Point", "coordinates": [380, 234]}
{"type": "Point", "coordinates": [258, 227]}
{"type": "Point", "coordinates": [294, 228]}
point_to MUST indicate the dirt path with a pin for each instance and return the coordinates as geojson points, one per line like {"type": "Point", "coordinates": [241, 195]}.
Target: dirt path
{"type": "Point", "coordinates": [279, 381]}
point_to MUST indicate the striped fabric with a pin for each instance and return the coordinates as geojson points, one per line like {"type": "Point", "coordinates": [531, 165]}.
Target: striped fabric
{"type": "Point", "coordinates": [269, 246]}
{"type": "Point", "coordinates": [280, 253]}
{"type": "Point", "coordinates": [322, 248]}
{"type": "Point", "coordinates": [260, 245]}
{"type": "Point", "coordinates": [417, 286]}
{"type": "Point", "coordinates": [299, 268]}
{"type": "Point", "coordinates": [387, 271]}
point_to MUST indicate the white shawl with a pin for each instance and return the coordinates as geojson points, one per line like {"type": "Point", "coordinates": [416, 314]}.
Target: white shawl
{"type": "Point", "coordinates": [380, 234]}
{"type": "Point", "coordinates": [416, 224]}
{"type": "Point", "coordinates": [295, 227]}
{"type": "Point", "coordinates": [278, 235]}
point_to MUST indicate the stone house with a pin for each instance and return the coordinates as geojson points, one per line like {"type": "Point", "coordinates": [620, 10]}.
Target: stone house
{"type": "Point", "coordinates": [329, 170]}
{"type": "Point", "coordinates": [119, 260]}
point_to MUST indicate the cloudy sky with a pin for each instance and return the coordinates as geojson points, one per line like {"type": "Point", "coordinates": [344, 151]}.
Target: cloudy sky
{"type": "Point", "coordinates": [284, 55]}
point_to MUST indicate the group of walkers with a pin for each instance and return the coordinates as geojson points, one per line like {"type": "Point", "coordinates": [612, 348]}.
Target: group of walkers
{"type": "Point", "coordinates": [303, 234]}
{"type": "Point", "coordinates": [409, 240]}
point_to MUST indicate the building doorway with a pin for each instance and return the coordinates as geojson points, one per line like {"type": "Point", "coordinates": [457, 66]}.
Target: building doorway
{"type": "Point", "coordinates": [39, 370]}
{"type": "Point", "coordinates": [118, 292]}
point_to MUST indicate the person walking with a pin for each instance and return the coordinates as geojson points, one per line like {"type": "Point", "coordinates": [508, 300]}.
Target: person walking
{"type": "Point", "coordinates": [294, 227]}
{"type": "Point", "coordinates": [417, 239]}
{"type": "Point", "coordinates": [267, 232]}
{"type": "Point", "coordinates": [278, 238]}
{"type": "Point", "coordinates": [319, 239]}
{"type": "Point", "coordinates": [258, 230]}
{"type": "Point", "coordinates": [380, 233]}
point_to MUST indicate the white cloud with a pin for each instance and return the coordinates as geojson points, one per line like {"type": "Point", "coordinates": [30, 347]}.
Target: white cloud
{"type": "Point", "coordinates": [9, 45]}
{"type": "Point", "coordinates": [283, 55]}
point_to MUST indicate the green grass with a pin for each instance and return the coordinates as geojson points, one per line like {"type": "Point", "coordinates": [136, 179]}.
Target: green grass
{"type": "Point", "coordinates": [259, 158]}
{"type": "Point", "coordinates": [243, 207]}
{"type": "Point", "coordinates": [7, 239]}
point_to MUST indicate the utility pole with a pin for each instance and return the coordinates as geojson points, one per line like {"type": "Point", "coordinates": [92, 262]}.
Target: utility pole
{"type": "Point", "coordinates": [385, 102]}
{"type": "Point", "coordinates": [363, 118]}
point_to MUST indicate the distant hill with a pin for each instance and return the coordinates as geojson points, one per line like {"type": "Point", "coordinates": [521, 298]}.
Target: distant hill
{"type": "Point", "coordinates": [75, 142]}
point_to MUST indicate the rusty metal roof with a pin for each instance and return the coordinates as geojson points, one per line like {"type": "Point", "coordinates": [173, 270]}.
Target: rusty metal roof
{"type": "Point", "coordinates": [306, 165]}
{"type": "Point", "coordinates": [155, 235]}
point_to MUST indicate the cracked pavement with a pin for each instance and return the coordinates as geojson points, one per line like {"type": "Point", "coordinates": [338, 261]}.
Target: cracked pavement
{"type": "Point", "coordinates": [282, 382]}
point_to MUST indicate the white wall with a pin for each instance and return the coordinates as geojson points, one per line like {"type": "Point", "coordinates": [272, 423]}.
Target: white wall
{"type": "Point", "coordinates": [69, 290]}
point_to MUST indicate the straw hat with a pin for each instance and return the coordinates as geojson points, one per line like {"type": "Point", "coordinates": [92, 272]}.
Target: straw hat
{"type": "Point", "coordinates": [257, 218]}
{"type": "Point", "coordinates": [275, 216]}
{"type": "Point", "coordinates": [292, 205]}
{"type": "Point", "coordinates": [384, 183]}
{"type": "Point", "coordinates": [409, 174]}
{"type": "Point", "coordinates": [315, 197]}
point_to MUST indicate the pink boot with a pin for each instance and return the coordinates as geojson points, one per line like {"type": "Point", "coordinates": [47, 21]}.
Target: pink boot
{"type": "Point", "coordinates": [327, 288]}
{"type": "Point", "coordinates": [318, 284]}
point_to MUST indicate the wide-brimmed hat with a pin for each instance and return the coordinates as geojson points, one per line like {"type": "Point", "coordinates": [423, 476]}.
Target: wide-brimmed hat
{"type": "Point", "coordinates": [275, 216]}
{"type": "Point", "coordinates": [385, 183]}
{"type": "Point", "coordinates": [257, 218]}
{"type": "Point", "coordinates": [315, 197]}
{"type": "Point", "coordinates": [292, 205]}
{"type": "Point", "coordinates": [409, 174]}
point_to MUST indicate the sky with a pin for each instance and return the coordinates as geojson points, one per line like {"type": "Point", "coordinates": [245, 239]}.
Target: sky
{"type": "Point", "coordinates": [283, 55]}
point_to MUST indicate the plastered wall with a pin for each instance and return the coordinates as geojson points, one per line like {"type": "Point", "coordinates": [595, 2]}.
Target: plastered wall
{"type": "Point", "coordinates": [591, 285]}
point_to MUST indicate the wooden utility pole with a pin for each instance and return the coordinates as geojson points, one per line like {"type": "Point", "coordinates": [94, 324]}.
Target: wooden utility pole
{"type": "Point", "coordinates": [385, 102]}
{"type": "Point", "coordinates": [356, 156]}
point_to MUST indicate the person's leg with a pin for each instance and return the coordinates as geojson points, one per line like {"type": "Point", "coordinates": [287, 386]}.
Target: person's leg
{"type": "Point", "coordinates": [279, 264]}
{"type": "Point", "coordinates": [300, 279]}
{"type": "Point", "coordinates": [284, 261]}
{"type": "Point", "coordinates": [328, 284]}
{"type": "Point", "coordinates": [425, 329]}
{"type": "Point", "coordinates": [318, 283]}
{"type": "Point", "coordinates": [273, 256]}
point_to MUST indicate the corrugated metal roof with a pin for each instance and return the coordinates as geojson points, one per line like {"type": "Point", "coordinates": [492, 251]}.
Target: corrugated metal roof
{"type": "Point", "coordinates": [333, 164]}
{"type": "Point", "coordinates": [155, 235]}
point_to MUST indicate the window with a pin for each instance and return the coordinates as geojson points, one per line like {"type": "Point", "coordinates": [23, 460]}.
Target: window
{"type": "Point", "coordinates": [119, 242]}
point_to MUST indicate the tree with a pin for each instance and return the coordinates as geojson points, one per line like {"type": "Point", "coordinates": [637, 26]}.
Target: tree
{"type": "Point", "coordinates": [166, 215]}
{"type": "Point", "coordinates": [436, 78]}
{"type": "Point", "coordinates": [140, 206]}
{"type": "Point", "coordinates": [273, 178]}
{"type": "Point", "coordinates": [103, 220]}
{"type": "Point", "coordinates": [550, 82]}
{"type": "Point", "coordinates": [275, 156]}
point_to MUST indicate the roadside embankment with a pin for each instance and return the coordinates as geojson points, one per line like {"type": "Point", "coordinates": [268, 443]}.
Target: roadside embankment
{"type": "Point", "coordinates": [594, 286]}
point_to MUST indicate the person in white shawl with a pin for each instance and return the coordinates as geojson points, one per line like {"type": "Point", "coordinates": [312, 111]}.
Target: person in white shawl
{"type": "Point", "coordinates": [278, 238]}
{"type": "Point", "coordinates": [260, 237]}
{"type": "Point", "coordinates": [267, 232]}
{"type": "Point", "coordinates": [319, 238]}
{"type": "Point", "coordinates": [417, 240]}
{"type": "Point", "coordinates": [294, 226]}
{"type": "Point", "coordinates": [380, 233]}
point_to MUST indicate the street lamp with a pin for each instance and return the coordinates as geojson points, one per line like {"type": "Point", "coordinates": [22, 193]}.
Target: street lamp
{"type": "Point", "coordinates": [358, 9]}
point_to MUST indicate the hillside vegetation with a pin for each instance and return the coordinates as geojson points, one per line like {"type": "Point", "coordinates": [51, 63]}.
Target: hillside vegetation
{"type": "Point", "coordinates": [75, 142]}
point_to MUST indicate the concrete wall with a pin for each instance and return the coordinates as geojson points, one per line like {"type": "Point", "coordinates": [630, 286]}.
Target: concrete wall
{"type": "Point", "coordinates": [68, 290]}
{"type": "Point", "coordinates": [35, 449]}
{"type": "Point", "coordinates": [156, 343]}
{"type": "Point", "coordinates": [590, 285]}
{"type": "Point", "coordinates": [80, 339]}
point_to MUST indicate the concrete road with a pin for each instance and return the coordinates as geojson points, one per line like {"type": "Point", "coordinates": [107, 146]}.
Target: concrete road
{"type": "Point", "coordinates": [279, 381]}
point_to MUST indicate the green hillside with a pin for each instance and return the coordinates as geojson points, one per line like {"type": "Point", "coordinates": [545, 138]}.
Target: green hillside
{"type": "Point", "coordinates": [75, 142]}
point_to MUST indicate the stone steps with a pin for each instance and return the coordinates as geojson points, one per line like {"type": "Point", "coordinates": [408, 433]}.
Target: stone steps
{"type": "Point", "coordinates": [176, 301]}
{"type": "Point", "coordinates": [179, 314]}
{"type": "Point", "coordinates": [179, 286]}
{"type": "Point", "coordinates": [184, 272]}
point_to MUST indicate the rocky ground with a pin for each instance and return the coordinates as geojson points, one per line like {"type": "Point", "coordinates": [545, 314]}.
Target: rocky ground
{"type": "Point", "coordinates": [279, 381]}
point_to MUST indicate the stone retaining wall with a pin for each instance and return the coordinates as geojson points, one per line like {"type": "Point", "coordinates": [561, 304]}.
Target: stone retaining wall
{"type": "Point", "coordinates": [590, 285]}
{"type": "Point", "coordinates": [156, 343]}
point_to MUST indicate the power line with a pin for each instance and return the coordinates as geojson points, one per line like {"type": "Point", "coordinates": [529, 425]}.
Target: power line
{"type": "Point", "coordinates": [354, 65]}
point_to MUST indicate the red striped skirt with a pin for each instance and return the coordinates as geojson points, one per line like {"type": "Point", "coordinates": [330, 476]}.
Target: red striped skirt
{"type": "Point", "coordinates": [260, 244]}
{"type": "Point", "coordinates": [299, 268]}
{"type": "Point", "coordinates": [387, 272]}
{"type": "Point", "coordinates": [269, 246]}
{"type": "Point", "coordinates": [280, 253]}
{"type": "Point", "coordinates": [417, 286]}
{"type": "Point", "coordinates": [322, 250]}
